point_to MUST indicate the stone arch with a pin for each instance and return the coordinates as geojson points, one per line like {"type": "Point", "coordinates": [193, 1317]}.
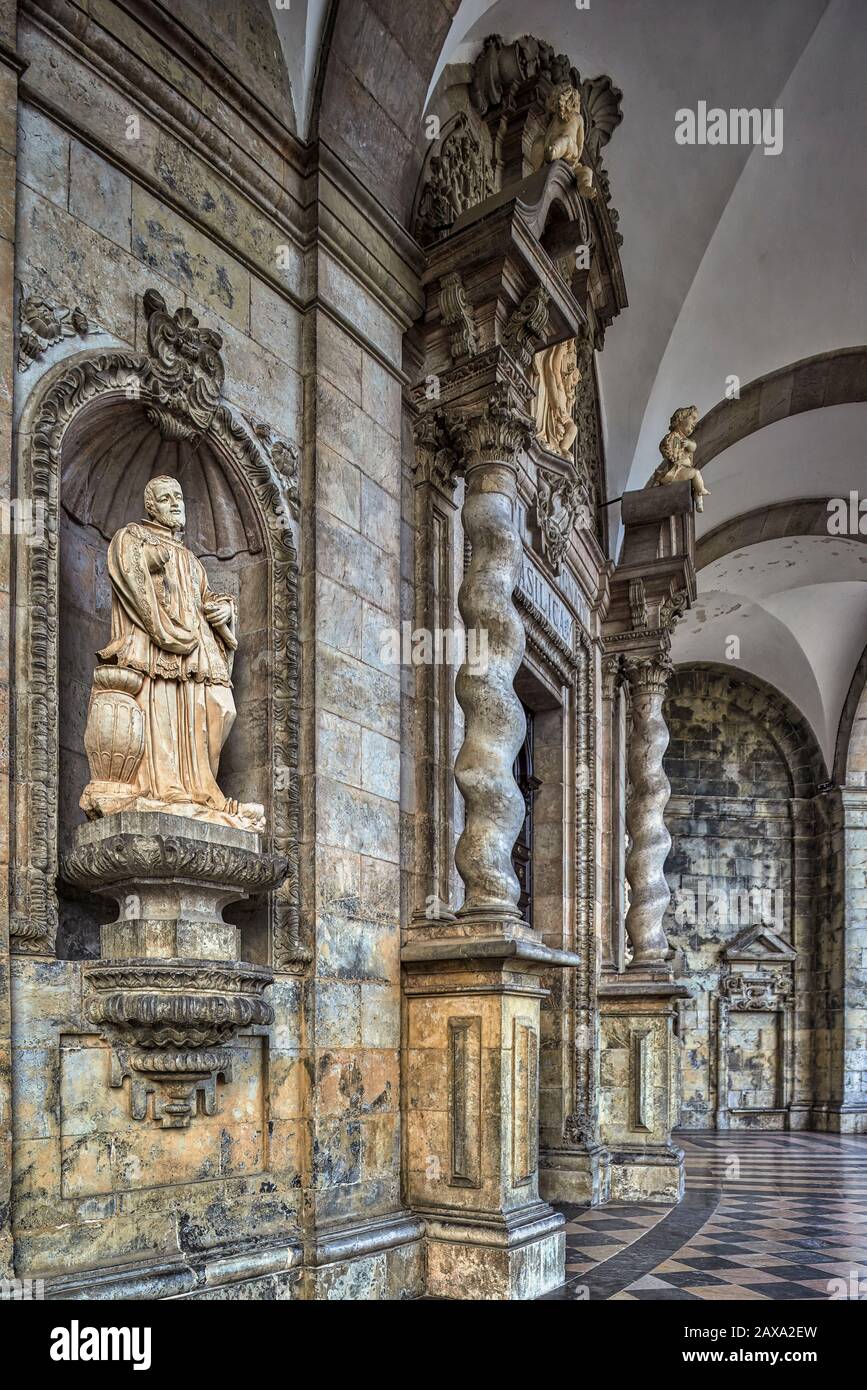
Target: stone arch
{"type": "Point", "coordinates": [850, 752]}
{"type": "Point", "coordinates": [257, 463]}
{"type": "Point", "coordinates": [804, 516]}
{"type": "Point", "coordinates": [838, 377]}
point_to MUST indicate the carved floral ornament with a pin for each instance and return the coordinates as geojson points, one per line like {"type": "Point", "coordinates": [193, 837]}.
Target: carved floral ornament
{"type": "Point", "coordinates": [180, 381]}
{"type": "Point", "coordinates": [41, 324]}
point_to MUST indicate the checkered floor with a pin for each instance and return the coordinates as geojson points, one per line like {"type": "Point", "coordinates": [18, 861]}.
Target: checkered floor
{"type": "Point", "coordinates": [765, 1217]}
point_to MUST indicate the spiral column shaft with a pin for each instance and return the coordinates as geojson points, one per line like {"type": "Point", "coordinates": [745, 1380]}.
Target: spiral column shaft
{"type": "Point", "coordinates": [649, 838]}
{"type": "Point", "coordinates": [494, 719]}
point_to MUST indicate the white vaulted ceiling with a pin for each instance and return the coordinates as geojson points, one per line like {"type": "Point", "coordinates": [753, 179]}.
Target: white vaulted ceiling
{"type": "Point", "coordinates": [736, 263]}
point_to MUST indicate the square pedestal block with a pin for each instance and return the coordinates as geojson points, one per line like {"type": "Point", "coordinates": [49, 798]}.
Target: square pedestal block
{"type": "Point", "coordinates": [640, 1086]}
{"type": "Point", "coordinates": [472, 1128]}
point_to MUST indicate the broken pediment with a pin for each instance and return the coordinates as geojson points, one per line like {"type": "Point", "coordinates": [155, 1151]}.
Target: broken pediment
{"type": "Point", "coordinates": [759, 943]}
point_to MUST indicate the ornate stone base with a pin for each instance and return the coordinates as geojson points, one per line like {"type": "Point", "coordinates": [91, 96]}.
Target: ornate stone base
{"type": "Point", "coordinates": [520, 1257]}
{"type": "Point", "coordinates": [640, 1085]}
{"type": "Point", "coordinates": [170, 993]}
{"type": "Point", "coordinates": [473, 995]}
{"type": "Point", "coordinates": [382, 1259]}
{"type": "Point", "coordinates": [835, 1118]}
{"type": "Point", "coordinates": [171, 878]}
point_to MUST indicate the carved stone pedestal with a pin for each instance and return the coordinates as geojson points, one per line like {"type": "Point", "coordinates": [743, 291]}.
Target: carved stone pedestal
{"type": "Point", "coordinates": [170, 993]}
{"type": "Point", "coordinates": [640, 1082]}
{"type": "Point", "coordinates": [473, 997]}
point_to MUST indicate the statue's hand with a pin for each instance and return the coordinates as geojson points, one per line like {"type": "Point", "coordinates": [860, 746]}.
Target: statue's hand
{"type": "Point", "coordinates": [218, 612]}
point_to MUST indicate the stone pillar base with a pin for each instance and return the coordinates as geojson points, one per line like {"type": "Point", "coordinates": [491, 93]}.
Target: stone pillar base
{"type": "Point", "coordinates": [640, 1085]}
{"type": "Point", "coordinates": [473, 991]}
{"type": "Point", "coordinates": [520, 1258]}
{"type": "Point", "coordinates": [647, 1175]}
{"type": "Point", "coordinates": [575, 1175]}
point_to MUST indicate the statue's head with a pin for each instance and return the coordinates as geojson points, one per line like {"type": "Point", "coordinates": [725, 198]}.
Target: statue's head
{"type": "Point", "coordinates": [684, 420]}
{"type": "Point", "coordinates": [566, 101]}
{"type": "Point", "coordinates": [164, 503]}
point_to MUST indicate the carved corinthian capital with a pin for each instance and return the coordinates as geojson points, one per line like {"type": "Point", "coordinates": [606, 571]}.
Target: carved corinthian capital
{"type": "Point", "coordinates": [649, 838]}
{"type": "Point", "coordinates": [495, 434]}
{"type": "Point", "coordinates": [494, 719]}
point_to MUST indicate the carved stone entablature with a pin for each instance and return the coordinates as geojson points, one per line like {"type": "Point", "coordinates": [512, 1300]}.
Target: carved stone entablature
{"type": "Point", "coordinates": [559, 507]}
{"type": "Point", "coordinates": [91, 385]}
{"type": "Point", "coordinates": [42, 324]}
{"type": "Point", "coordinates": [186, 367]}
{"type": "Point", "coordinates": [458, 175]}
{"type": "Point", "coordinates": [170, 1024]}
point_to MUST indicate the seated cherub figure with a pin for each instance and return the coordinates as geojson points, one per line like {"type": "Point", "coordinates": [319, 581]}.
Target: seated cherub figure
{"type": "Point", "coordinates": [564, 138]}
{"type": "Point", "coordinates": [678, 452]}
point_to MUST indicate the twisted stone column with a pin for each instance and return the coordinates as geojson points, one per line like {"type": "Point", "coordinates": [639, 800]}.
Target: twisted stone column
{"type": "Point", "coordinates": [494, 720]}
{"type": "Point", "coordinates": [649, 839]}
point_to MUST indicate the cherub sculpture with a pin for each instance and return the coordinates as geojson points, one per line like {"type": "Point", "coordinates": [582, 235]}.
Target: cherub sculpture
{"type": "Point", "coordinates": [564, 138]}
{"type": "Point", "coordinates": [678, 451]}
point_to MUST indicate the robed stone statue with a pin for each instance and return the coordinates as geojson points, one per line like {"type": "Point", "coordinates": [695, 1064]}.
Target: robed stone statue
{"type": "Point", "coordinates": [162, 707]}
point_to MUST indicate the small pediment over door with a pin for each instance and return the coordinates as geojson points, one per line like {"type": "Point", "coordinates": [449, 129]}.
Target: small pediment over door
{"type": "Point", "coordinates": [759, 944]}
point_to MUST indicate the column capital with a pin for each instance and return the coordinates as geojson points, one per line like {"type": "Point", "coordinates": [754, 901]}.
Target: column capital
{"type": "Point", "coordinates": [648, 675]}
{"type": "Point", "coordinates": [494, 431]}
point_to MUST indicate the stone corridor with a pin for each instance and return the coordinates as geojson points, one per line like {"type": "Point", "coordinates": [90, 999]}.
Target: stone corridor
{"type": "Point", "coordinates": [765, 1217]}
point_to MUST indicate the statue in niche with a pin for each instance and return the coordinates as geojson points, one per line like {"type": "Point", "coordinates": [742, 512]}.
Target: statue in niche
{"type": "Point", "coordinates": [678, 453]}
{"type": "Point", "coordinates": [564, 137]}
{"type": "Point", "coordinates": [161, 707]}
{"type": "Point", "coordinates": [557, 378]}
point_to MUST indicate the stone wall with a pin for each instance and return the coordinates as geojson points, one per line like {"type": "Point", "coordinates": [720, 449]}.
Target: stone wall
{"type": "Point", "coordinates": [144, 163]}
{"type": "Point", "coordinates": [742, 768]}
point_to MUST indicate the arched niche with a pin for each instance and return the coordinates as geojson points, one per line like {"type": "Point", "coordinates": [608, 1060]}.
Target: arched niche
{"type": "Point", "coordinates": [95, 432]}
